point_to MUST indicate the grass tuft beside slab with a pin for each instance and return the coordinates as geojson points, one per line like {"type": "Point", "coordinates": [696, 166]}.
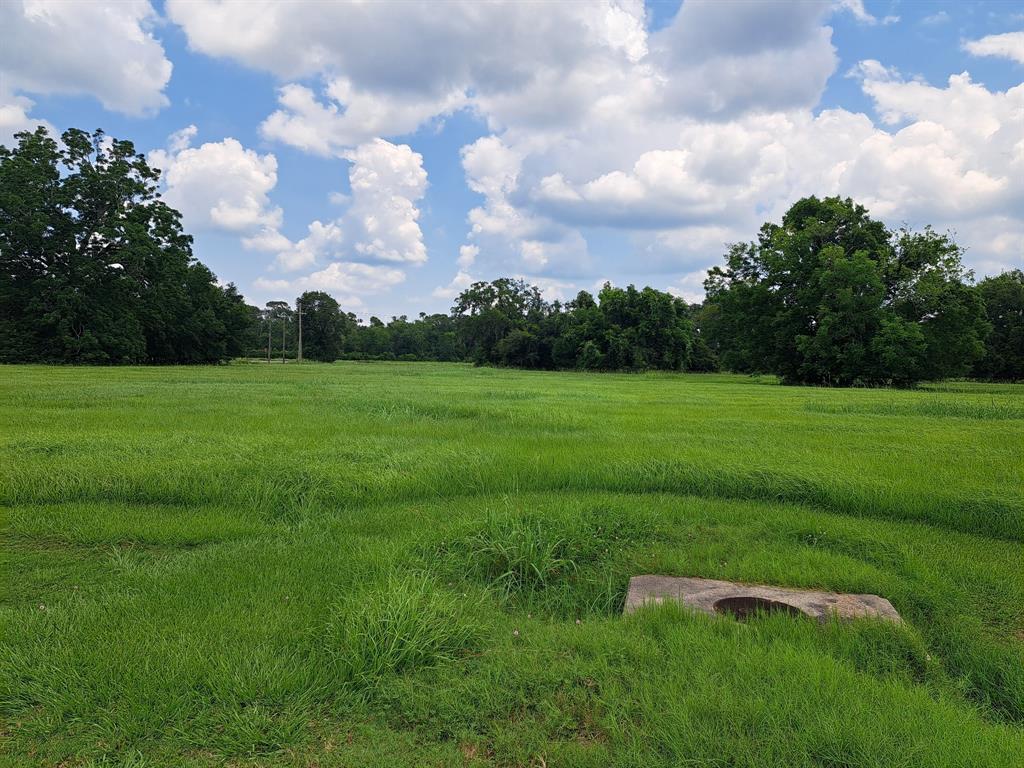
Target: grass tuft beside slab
{"type": "Point", "coordinates": [407, 564]}
{"type": "Point", "coordinates": [406, 623]}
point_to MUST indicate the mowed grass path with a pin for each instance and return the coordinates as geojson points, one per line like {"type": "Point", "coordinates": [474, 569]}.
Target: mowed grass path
{"type": "Point", "coordinates": [416, 564]}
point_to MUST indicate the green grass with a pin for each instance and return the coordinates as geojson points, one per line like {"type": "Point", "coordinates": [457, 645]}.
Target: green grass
{"type": "Point", "coordinates": [415, 564]}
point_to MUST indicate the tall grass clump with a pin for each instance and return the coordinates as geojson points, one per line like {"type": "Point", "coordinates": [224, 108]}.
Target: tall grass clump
{"type": "Point", "coordinates": [408, 622]}
{"type": "Point", "coordinates": [521, 554]}
{"type": "Point", "coordinates": [571, 563]}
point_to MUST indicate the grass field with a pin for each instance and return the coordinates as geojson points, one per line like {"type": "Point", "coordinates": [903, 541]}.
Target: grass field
{"type": "Point", "coordinates": [416, 564]}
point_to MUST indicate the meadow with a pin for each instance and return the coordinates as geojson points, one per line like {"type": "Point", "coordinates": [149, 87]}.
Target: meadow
{"type": "Point", "coordinates": [422, 564]}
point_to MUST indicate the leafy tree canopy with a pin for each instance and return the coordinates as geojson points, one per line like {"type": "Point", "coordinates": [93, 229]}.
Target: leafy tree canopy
{"type": "Point", "coordinates": [323, 326]}
{"type": "Point", "coordinates": [95, 268]}
{"type": "Point", "coordinates": [1004, 347]}
{"type": "Point", "coordinates": [831, 296]}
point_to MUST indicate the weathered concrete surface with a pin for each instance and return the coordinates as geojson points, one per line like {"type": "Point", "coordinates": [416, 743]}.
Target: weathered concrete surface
{"type": "Point", "coordinates": [727, 597]}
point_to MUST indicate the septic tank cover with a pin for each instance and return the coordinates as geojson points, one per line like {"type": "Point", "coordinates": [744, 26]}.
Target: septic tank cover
{"type": "Point", "coordinates": [741, 600]}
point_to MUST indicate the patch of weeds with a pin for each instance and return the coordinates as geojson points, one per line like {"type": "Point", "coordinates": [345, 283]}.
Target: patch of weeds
{"type": "Point", "coordinates": [418, 410]}
{"type": "Point", "coordinates": [256, 729]}
{"type": "Point", "coordinates": [991, 673]}
{"type": "Point", "coordinates": [133, 759]}
{"type": "Point", "coordinates": [548, 694]}
{"type": "Point", "coordinates": [569, 564]}
{"type": "Point", "coordinates": [521, 554]}
{"type": "Point", "coordinates": [408, 622]}
{"type": "Point", "coordinates": [40, 447]}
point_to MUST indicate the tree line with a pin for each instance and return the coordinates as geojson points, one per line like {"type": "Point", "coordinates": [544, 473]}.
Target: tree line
{"type": "Point", "coordinates": [829, 296]}
{"type": "Point", "coordinates": [506, 322]}
{"type": "Point", "coordinates": [95, 268]}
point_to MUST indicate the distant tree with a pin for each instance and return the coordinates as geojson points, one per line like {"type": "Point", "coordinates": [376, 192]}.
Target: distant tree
{"type": "Point", "coordinates": [507, 322]}
{"type": "Point", "coordinates": [928, 287]}
{"type": "Point", "coordinates": [1004, 346]}
{"type": "Point", "coordinates": [407, 340]}
{"type": "Point", "coordinates": [577, 334]}
{"type": "Point", "coordinates": [831, 296]}
{"type": "Point", "coordinates": [520, 349]}
{"type": "Point", "coordinates": [487, 312]}
{"type": "Point", "coordinates": [440, 338]}
{"type": "Point", "coordinates": [323, 326]}
{"type": "Point", "coordinates": [94, 268]}
{"type": "Point", "coordinates": [375, 339]}
{"type": "Point", "coordinates": [590, 357]}
{"type": "Point", "coordinates": [246, 333]}
{"type": "Point", "coordinates": [645, 329]}
{"type": "Point", "coordinates": [703, 358]}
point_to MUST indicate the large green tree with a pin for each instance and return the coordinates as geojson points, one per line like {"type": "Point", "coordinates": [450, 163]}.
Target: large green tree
{"type": "Point", "coordinates": [323, 326]}
{"type": "Point", "coordinates": [488, 312]}
{"type": "Point", "coordinates": [1004, 346]}
{"type": "Point", "coordinates": [95, 268]}
{"type": "Point", "coordinates": [831, 296]}
{"type": "Point", "coordinates": [644, 329]}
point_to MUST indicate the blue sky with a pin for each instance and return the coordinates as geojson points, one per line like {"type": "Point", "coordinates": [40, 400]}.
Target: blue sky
{"type": "Point", "coordinates": [391, 154]}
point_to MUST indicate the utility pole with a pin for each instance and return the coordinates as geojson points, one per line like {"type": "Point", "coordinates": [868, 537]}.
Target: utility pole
{"type": "Point", "coordinates": [270, 328]}
{"type": "Point", "coordinates": [298, 311]}
{"type": "Point", "coordinates": [284, 342]}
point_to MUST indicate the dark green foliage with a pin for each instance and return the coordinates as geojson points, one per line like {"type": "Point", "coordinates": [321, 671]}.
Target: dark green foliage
{"type": "Point", "coordinates": [831, 296]}
{"type": "Point", "coordinates": [489, 312]}
{"type": "Point", "coordinates": [703, 357]}
{"type": "Point", "coordinates": [323, 326]}
{"type": "Point", "coordinates": [507, 322]}
{"type": "Point", "coordinates": [1004, 346]}
{"type": "Point", "coordinates": [94, 268]}
{"type": "Point", "coordinates": [430, 337]}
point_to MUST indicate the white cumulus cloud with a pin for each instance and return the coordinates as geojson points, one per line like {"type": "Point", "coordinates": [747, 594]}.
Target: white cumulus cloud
{"type": "Point", "coordinates": [104, 50]}
{"type": "Point", "coordinates": [14, 118]}
{"type": "Point", "coordinates": [347, 117]}
{"type": "Point", "coordinates": [1009, 45]}
{"type": "Point", "coordinates": [347, 281]}
{"type": "Point", "coordinates": [387, 180]}
{"type": "Point", "coordinates": [459, 283]}
{"type": "Point", "coordinates": [358, 252]}
{"type": "Point", "coordinates": [684, 138]}
{"type": "Point", "coordinates": [323, 242]}
{"type": "Point", "coordinates": [219, 185]}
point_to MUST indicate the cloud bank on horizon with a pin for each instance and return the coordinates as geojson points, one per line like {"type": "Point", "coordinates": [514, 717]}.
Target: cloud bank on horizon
{"type": "Point", "coordinates": [565, 144]}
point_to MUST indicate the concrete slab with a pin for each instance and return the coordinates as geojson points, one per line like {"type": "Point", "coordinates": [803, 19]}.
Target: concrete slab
{"type": "Point", "coordinates": [740, 600]}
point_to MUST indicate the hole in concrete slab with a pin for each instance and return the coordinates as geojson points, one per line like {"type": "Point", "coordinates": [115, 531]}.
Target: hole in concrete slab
{"type": "Point", "coordinates": [744, 607]}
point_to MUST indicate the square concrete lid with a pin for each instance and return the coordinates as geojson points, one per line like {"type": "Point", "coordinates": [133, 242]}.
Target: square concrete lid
{"type": "Point", "coordinates": [715, 597]}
